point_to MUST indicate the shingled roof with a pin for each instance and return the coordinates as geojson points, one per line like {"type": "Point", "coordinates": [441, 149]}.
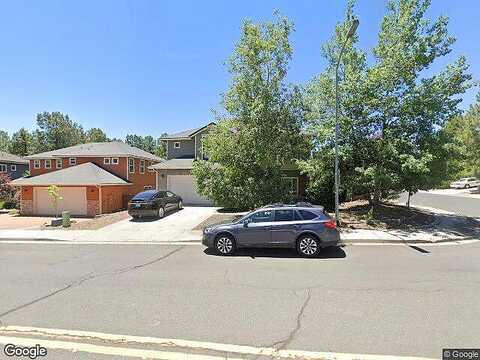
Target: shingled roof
{"type": "Point", "coordinates": [94, 149]}
{"type": "Point", "coordinates": [187, 134]}
{"type": "Point", "coordinates": [83, 174]}
{"type": "Point", "coordinates": [10, 158]}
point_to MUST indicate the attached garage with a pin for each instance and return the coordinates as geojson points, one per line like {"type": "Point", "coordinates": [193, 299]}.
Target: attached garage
{"type": "Point", "coordinates": [184, 185]}
{"type": "Point", "coordinates": [73, 199]}
{"type": "Point", "coordinates": [176, 175]}
{"type": "Point", "coordinates": [85, 190]}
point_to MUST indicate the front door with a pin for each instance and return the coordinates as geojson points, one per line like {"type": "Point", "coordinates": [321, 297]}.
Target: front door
{"type": "Point", "coordinates": [255, 231]}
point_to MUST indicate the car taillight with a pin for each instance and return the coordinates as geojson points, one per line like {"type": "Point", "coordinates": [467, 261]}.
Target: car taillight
{"type": "Point", "coordinates": [330, 224]}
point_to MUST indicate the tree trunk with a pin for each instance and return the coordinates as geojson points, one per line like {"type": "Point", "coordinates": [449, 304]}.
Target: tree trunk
{"type": "Point", "coordinates": [408, 199]}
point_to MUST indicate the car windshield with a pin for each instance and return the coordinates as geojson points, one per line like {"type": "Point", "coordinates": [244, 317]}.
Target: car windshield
{"type": "Point", "coordinates": [145, 195]}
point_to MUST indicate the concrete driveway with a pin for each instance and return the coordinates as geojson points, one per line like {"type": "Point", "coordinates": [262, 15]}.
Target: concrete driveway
{"type": "Point", "coordinates": [175, 226]}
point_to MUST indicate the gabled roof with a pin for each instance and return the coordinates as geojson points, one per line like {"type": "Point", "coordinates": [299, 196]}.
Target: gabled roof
{"type": "Point", "coordinates": [186, 134]}
{"type": "Point", "coordinates": [10, 158]}
{"type": "Point", "coordinates": [83, 174]}
{"type": "Point", "coordinates": [184, 164]}
{"type": "Point", "coordinates": [94, 149]}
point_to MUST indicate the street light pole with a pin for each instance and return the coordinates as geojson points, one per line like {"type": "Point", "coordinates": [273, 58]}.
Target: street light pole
{"type": "Point", "coordinates": [350, 34]}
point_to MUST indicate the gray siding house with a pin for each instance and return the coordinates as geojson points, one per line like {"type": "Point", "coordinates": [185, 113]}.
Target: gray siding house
{"type": "Point", "coordinates": [12, 165]}
{"type": "Point", "coordinates": [175, 173]}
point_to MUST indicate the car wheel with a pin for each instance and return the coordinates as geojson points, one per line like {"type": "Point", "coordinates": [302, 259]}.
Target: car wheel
{"type": "Point", "coordinates": [225, 244]}
{"type": "Point", "coordinates": [467, 186]}
{"type": "Point", "coordinates": [308, 246]}
{"type": "Point", "coordinates": [161, 212]}
{"type": "Point", "coordinates": [180, 205]}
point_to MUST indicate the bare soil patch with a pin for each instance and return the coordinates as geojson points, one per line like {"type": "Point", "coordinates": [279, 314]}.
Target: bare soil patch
{"type": "Point", "coordinates": [96, 223]}
{"type": "Point", "coordinates": [360, 214]}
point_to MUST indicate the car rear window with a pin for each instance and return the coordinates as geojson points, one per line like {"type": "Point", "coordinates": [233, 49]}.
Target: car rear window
{"type": "Point", "coordinates": [283, 215]}
{"type": "Point", "coordinates": [145, 195]}
{"type": "Point", "coordinates": [308, 215]}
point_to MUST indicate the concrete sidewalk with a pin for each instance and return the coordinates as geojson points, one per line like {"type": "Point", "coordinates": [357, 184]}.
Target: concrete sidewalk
{"type": "Point", "coordinates": [97, 236]}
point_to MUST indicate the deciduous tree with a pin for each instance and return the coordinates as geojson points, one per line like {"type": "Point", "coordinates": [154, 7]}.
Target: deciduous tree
{"type": "Point", "coordinates": [261, 130]}
{"type": "Point", "coordinates": [391, 113]}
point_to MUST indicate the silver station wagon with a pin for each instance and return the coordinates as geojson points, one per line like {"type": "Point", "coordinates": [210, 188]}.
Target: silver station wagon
{"type": "Point", "coordinates": [302, 227]}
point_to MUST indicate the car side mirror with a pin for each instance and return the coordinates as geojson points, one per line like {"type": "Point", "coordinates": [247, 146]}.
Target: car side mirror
{"type": "Point", "coordinates": [246, 222]}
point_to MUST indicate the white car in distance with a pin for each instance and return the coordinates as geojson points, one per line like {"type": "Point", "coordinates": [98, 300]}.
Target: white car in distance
{"type": "Point", "coordinates": [465, 183]}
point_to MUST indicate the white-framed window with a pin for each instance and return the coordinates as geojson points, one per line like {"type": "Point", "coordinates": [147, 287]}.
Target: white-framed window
{"type": "Point", "coordinates": [48, 164]}
{"type": "Point", "coordinates": [131, 165]}
{"type": "Point", "coordinates": [142, 166]}
{"type": "Point", "coordinates": [106, 161]}
{"type": "Point", "coordinates": [59, 163]}
{"type": "Point", "coordinates": [114, 161]}
{"type": "Point", "coordinates": [36, 164]}
{"type": "Point", "coordinates": [3, 168]}
{"type": "Point", "coordinates": [13, 167]}
{"type": "Point", "coordinates": [150, 163]}
{"type": "Point", "coordinates": [72, 161]}
{"type": "Point", "coordinates": [176, 145]}
{"type": "Point", "coordinates": [292, 183]}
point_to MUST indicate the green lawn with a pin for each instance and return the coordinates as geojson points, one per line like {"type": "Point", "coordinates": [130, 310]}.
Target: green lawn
{"type": "Point", "coordinates": [1, 204]}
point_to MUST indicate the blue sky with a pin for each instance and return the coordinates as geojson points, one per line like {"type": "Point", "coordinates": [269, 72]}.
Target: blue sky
{"type": "Point", "coordinates": [149, 67]}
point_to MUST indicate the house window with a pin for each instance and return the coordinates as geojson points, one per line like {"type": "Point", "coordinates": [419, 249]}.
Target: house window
{"type": "Point", "coordinates": [59, 163]}
{"type": "Point", "coordinates": [3, 168]}
{"type": "Point", "coordinates": [292, 183]}
{"type": "Point", "coordinates": [106, 161]}
{"type": "Point", "coordinates": [72, 161]}
{"type": "Point", "coordinates": [142, 166]}
{"type": "Point", "coordinates": [48, 164]}
{"type": "Point", "coordinates": [114, 161]}
{"type": "Point", "coordinates": [176, 145]}
{"type": "Point", "coordinates": [131, 165]}
{"type": "Point", "coordinates": [13, 167]}
{"type": "Point", "coordinates": [150, 163]}
{"type": "Point", "coordinates": [36, 164]}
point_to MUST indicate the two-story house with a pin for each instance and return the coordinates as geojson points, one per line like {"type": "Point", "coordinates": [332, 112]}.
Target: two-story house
{"type": "Point", "coordinates": [92, 178]}
{"type": "Point", "coordinates": [175, 174]}
{"type": "Point", "coordinates": [12, 165]}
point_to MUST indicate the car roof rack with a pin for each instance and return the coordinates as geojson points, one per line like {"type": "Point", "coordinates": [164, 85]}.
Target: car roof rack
{"type": "Point", "coordinates": [298, 204]}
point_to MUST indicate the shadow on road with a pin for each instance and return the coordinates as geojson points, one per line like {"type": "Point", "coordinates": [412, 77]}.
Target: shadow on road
{"type": "Point", "coordinates": [327, 253]}
{"type": "Point", "coordinates": [455, 225]}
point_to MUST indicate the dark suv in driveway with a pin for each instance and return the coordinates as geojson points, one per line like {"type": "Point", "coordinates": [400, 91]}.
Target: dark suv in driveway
{"type": "Point", "coordinates": [302, 227]}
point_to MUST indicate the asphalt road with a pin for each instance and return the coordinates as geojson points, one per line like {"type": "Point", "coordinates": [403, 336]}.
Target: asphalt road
{"type": "Point", "coordinates": [360, 299]}
{"type": "Point", "coordinates": [460, 205]}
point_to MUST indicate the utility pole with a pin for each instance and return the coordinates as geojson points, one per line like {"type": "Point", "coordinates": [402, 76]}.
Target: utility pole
{"type": "Point", "coordinates": [351, 32]}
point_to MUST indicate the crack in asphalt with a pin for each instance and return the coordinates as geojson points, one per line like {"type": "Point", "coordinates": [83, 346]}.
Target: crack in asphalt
{"type": "Point", "coordinates": [89, 277]}
{"type": "Point", "coordinates": [282, 344]}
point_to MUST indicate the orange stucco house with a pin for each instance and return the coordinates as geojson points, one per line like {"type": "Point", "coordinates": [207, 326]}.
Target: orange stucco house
{"type": "Point", "coordinates": [92, 178]}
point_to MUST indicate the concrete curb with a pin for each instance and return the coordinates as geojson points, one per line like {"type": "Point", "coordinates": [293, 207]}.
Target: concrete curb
{"type": "Point", "coordinates": [192, 242]}
{"type": "Point", "coordinates": [407, 242]}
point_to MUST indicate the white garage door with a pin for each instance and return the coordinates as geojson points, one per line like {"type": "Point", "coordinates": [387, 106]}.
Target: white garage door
{"type": "Point", "coordinates": [184, 185]}
{"type": "Point", "coordinates": [74, 199]}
